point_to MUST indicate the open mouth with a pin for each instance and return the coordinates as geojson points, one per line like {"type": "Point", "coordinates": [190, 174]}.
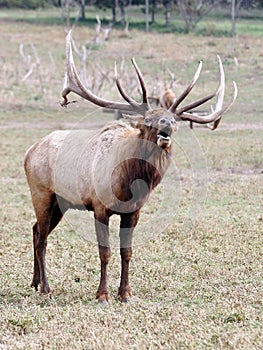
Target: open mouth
{"type": "Point", "coordinates": [164, 136]}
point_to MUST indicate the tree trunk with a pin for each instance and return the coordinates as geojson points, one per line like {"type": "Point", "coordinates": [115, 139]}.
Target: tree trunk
{"type": "Point", "coordinates": [123, 14]}
{"type": "Point", "coordinates": [82, 5]}
{"type": "Point", "coordinates": [67, 6]}
{"type": "Point", "coordinates": [147, 15]}
{"type": "Point", "coordinates": [167, 5]}
{"type": "Point", "coordinates": [153, 10]}
{"type": "Point", "coordinates": [113, 7]}
{"type": "Point", "coordinates": [233, 14]}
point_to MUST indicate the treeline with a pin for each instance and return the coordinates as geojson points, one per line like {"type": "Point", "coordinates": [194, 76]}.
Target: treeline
{"type": "Point", "coordinates": [153, 4]}
{"type": "Point", "coordinates": [25, 4]}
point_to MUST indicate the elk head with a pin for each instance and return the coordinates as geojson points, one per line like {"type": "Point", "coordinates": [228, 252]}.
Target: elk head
{"type": "Point", "coordinates": [160, 119]}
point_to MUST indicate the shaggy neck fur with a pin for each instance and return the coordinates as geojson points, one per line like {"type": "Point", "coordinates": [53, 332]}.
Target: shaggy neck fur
{"type": "Point", "coordinates": [145, 171]}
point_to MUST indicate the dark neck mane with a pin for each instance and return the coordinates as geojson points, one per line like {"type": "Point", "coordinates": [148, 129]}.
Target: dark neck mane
{"type": "Point", "coordinates": [144, 172]}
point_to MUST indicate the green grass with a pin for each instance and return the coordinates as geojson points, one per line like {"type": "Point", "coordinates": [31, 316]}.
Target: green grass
{"type": "Point", "coordinates": [195, 286]}
{"type": "Point", "coordinates": [217, 23]}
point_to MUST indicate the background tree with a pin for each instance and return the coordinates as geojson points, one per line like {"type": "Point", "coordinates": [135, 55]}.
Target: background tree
{"type": "Point", "coordinates": [65, 12]}
{"type": "Point", "coordinates": [113, 4]}
{"type": "Point", "coordinates": [147, 14]}
{"type": "Point", "coordinates": [153, 10]}
{"type": "Point", "coordinates": [235, 6]}
{"type": "Point", "coordinates": [122, 4]}
{"type": "Point", "coordinates": [192, 11]}
{"type": "Point", "coordinates": [113, 7]}
{"type": "Point", "coordinates": [167, 6]}
{"type": "Point", "coordinates": [82, 9]}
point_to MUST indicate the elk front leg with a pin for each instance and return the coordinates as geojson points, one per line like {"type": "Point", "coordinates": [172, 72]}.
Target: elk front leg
{"type": "Point", "coordinates": [128, 223]}
{"type": "Point", "coordinates": [102, 232]}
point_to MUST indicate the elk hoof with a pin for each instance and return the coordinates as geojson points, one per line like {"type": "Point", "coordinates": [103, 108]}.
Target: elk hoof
{"type": "Point", "coordinates": [34, 285]}
{"type": "Point", "coordinates": [103, 298]}
{"type": "Point", "coordinates": [45, 289]}
{"type": "Point", "coordinates": [126, 300]}
{"type": "Point", "coordinates": [125, 297]}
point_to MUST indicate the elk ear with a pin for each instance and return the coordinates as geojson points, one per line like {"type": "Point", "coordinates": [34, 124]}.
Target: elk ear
{"type": "Point", "coordinates": [135, 121]}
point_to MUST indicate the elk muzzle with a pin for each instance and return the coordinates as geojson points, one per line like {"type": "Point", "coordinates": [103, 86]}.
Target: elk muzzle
{"type": "Point", "coordinates": [165, 130]}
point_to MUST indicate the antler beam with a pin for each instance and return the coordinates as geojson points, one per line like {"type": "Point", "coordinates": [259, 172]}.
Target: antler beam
{"type": "Point", "coordinates": [219, 109]}
{"type": "Point", "coordinates": [74, 84]}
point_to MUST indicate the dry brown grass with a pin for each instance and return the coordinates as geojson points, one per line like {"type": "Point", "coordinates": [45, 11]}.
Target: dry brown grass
{"type": "Point", "coordinates": [197, 289]}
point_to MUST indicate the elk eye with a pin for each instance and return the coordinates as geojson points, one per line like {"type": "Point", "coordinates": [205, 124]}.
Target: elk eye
{"type": "Point", "coordinates": [147, 121]}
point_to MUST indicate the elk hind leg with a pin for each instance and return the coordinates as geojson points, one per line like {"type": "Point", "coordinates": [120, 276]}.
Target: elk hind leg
{"type": "Point", "coordinates": [48, 213]}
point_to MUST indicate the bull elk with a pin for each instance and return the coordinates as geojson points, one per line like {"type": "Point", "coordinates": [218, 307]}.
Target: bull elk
{"type": "Point", "coordinates": [69, 170]}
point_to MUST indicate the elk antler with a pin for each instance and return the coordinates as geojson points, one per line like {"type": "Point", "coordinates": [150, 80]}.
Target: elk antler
{"type": "Point", "coordinates": [219, 109]}
{"type": "Point", "coordinates": [127, 98]}
{"type": "Point", "coordinates": [74, 84]}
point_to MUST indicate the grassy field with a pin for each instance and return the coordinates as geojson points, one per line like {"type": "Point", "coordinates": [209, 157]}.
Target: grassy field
{"type": "Point", "coordinates": [195, 286]}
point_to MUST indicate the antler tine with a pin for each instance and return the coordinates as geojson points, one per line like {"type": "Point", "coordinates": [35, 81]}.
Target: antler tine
{"type": "Point", "coordinates": [215, 124]}
{"type": "Point", "coordinates": [72, 81]}
{"type": "Point", "coordinates": [196, 103]}
{"type": "Point", "coordinates": [142, 83]}
{"type": "Point", "coordinates": [207, 98]}
{"type": "Point", "coordinates": [126, 97]}
{"type": "Point", "coordinates": [219, 110]}
{"type": "Point", "coordinates": [214, 116]}
{"type": "Point", "coordinates": [187, 90]}
{"type": "Point", "coordinates": [74, 84]}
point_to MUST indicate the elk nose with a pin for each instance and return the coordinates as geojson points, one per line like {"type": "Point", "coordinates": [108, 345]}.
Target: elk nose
{"type": "Point", "coordinates": [165, 123]}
